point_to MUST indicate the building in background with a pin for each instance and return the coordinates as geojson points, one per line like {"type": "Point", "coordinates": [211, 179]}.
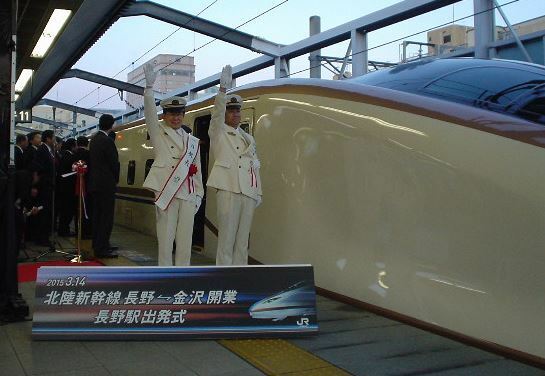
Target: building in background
{"type": "Point", "coordinates": [454, 37]}
{"type": "Point", "coordinates": [173, 72]}
{"type": "Point", "coordinates": [67, 121]}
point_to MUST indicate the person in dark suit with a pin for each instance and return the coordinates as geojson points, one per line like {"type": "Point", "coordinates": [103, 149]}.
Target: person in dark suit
{"type": "Point", "coordinates": [82, 154]}
{"type": "Point", "coordinates": [66, 187]}
{"type": "Point", "coordinates": [103, 178]}
{"type": "Point", "coordinates": [34, 140]}
{"type": "Point", "coordinates": [44, 175]}
{"type": "Point", "coordinates": [21, 143]}
{"type": "Point", "coordinates": [25, 204]}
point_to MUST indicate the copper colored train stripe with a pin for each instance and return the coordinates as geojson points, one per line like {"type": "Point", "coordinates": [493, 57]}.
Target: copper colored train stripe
{"type": "Point", "coordinates": [464, 115]}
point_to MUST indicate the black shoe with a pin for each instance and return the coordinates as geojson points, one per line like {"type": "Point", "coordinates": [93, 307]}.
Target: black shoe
{"type": "Point", "coordinates": [113, 248]}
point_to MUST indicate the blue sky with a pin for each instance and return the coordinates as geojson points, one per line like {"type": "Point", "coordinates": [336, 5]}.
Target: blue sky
{"type": "Point", "coordinates": [131, 37]}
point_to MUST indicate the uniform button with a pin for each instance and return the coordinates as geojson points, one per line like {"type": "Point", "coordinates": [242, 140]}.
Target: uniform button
{"type": "Point", "coordinates": [166, 133]}
{"type": "Point", "coordinates": [237, 147]}
{"type": "Point", "coordinates": [172, 147]}
{"type": "Point", "coordinates": [172, 166]}
{"type": "Point", "coordinates": [239, 166]}
{"type": "Point", "coordinates": [239, 156]}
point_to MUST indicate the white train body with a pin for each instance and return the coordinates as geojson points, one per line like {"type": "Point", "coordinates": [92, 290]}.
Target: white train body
{"type": "Point", "coordinates": [424, 207]}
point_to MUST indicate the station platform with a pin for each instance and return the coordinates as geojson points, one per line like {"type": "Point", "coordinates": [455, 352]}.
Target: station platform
{"type": "Point", "coordinates": [351, 341]}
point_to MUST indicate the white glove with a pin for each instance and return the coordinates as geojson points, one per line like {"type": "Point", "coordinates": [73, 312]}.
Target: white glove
{"type": "Point", "coordinates": [150, 75]}
{"type": "Point", "coordinates": [226, 77]}
{"type": "Point", "coordinates": [259, 199]}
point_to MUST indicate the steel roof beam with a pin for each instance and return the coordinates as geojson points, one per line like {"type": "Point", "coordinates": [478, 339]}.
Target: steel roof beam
{"type": "Point", "coordinates": [106, 81]}
{"type": "Point", "coordinates": [202, 26]}
{"type": "Point", "coordinates": [66, 106]}
{"type": "Point", "coordinates": [25, 129]}
{"type": "Point", "coordinates": [376, 20]}
{"type": "Point", "coordinates": [238, 71]}
{"type": "Point", "coordinates": [49, 122]}
{"type": "Point", "coordinates": [84, 28]}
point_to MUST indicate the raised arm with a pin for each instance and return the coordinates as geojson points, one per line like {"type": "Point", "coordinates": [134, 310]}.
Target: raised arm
{"type": "Point", "coordinates": [150, 111]}
{"type": "Point", "coordinates": [218, 112]}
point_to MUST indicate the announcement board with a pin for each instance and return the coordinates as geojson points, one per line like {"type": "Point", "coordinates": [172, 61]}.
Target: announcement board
{"type": "Point", "coordinates": [178, 302]}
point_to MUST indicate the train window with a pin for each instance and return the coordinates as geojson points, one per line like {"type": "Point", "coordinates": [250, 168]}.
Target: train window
{"type": "Point", "coordinates": [131, 171]}
{"type": "Point", "coordinates": [534, 110]}
{"type": "Point", "coordinates": [149, 162]}
{"type": "Point", "coordinates": [481, 87]}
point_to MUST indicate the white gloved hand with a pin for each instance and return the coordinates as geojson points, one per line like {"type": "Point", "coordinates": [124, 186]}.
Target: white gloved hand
{"type": "Point", "coordinates": [259, 199]}
{"type": "Point", "coordinates": [226, 77]}
{"type": "Point", "coordinates": [150, 75]}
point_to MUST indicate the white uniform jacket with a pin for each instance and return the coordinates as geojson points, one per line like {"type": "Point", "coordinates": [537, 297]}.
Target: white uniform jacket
{"type": "Point", "coordinates": [169, 146]}
{"type": "Point", "coordinates": [234, 170]}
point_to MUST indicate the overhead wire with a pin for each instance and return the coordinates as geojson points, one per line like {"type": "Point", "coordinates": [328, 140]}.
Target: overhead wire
{"type": "Point", "coordinates": [149, 50]}
{"type": "Point", "coordinates": [410, 35]}
{"type": "Point", "coordinates": [213, 40]}
{"type": "Point", "coordinates": [322, 64]}
{"type": "Point", "coordinates": [224, 34]}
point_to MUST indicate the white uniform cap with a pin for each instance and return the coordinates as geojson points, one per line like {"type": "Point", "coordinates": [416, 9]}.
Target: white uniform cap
{"type": "Point", "coordinates": [173, 102]}
{"type": "Point", "coordinates": [233, 100]}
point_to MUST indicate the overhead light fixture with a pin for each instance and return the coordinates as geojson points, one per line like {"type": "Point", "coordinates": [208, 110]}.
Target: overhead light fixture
{"type": "Point", "coordinates": [54, 25]}
{"type": "Point", "coordinates": [24, 77]}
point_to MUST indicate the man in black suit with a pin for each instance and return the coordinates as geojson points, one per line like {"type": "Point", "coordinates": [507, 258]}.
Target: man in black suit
{"type": "Point", "coordinates": [44, 175]}
{"type": "Point", "coordinates": [34, 140]}
{"type": "Point", "coordinates": [21, 143]}
{"type": "Point", "coordinates": [103, 178]}
{"type": "Point", "coordinates": [82, 154]}
{"type": "Point", "coordinates": [66, 187]}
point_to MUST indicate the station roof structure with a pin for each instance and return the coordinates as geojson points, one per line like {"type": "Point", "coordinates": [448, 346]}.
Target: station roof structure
{"type": "Point", "coordinates": [32, 17]}
{"type": "Point", "coordinates": [90, 19]}
{"type": "Point", "coordinates": [87, 22]}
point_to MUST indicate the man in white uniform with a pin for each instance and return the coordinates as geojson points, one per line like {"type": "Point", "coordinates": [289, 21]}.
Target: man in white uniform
{"type": "Point", "coordinates": [235, 175]}
{"type": "Point", "coordinates": [174, 177]}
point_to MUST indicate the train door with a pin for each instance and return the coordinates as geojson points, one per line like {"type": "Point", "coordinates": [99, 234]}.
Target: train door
{"type": "Point", "coordinates": [200, 129]}
{"type": "Point", "coordinates": [247, 120]}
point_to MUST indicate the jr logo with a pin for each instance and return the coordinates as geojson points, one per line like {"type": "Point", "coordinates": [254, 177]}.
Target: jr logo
{"type": "Point", "coordinates": [303, 321]}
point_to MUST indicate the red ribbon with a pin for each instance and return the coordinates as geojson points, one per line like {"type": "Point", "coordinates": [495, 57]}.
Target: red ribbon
{"type": "Point", "coordinates": [190, 183]}
{"type": "Point", "coordinates": [80, 168]}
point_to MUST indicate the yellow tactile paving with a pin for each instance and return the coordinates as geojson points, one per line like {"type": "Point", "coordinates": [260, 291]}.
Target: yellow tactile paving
{"type": "Point", "coordinates": [271, 356]}
{"type": "Point", "coordinates": [279, 357]}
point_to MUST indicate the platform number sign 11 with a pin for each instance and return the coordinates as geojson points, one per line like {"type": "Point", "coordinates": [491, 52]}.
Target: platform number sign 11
{"type": "Point", "coordinates": [23, 116]}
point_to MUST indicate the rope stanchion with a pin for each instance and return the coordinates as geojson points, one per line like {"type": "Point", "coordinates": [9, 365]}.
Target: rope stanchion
{"type": "Point", "coordinates": [80, 168]}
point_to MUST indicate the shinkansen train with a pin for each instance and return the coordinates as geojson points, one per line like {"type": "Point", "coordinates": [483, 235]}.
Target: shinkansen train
{"type": "Point", "coordinates": [416, 191]}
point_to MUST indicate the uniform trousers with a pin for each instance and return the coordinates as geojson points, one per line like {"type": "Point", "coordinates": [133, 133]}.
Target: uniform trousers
{"type": "Point", "coordinates": [235, 213]}
{"type": "Point", "coordinates": [175, 223]}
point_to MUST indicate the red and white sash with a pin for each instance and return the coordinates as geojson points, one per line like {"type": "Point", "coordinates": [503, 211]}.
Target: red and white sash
{"type": "Point", "coordinates": [179, 175]}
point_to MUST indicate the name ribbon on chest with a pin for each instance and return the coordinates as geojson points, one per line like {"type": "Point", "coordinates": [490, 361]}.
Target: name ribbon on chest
{"type": "Point", "coordinates": [183, 172]}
